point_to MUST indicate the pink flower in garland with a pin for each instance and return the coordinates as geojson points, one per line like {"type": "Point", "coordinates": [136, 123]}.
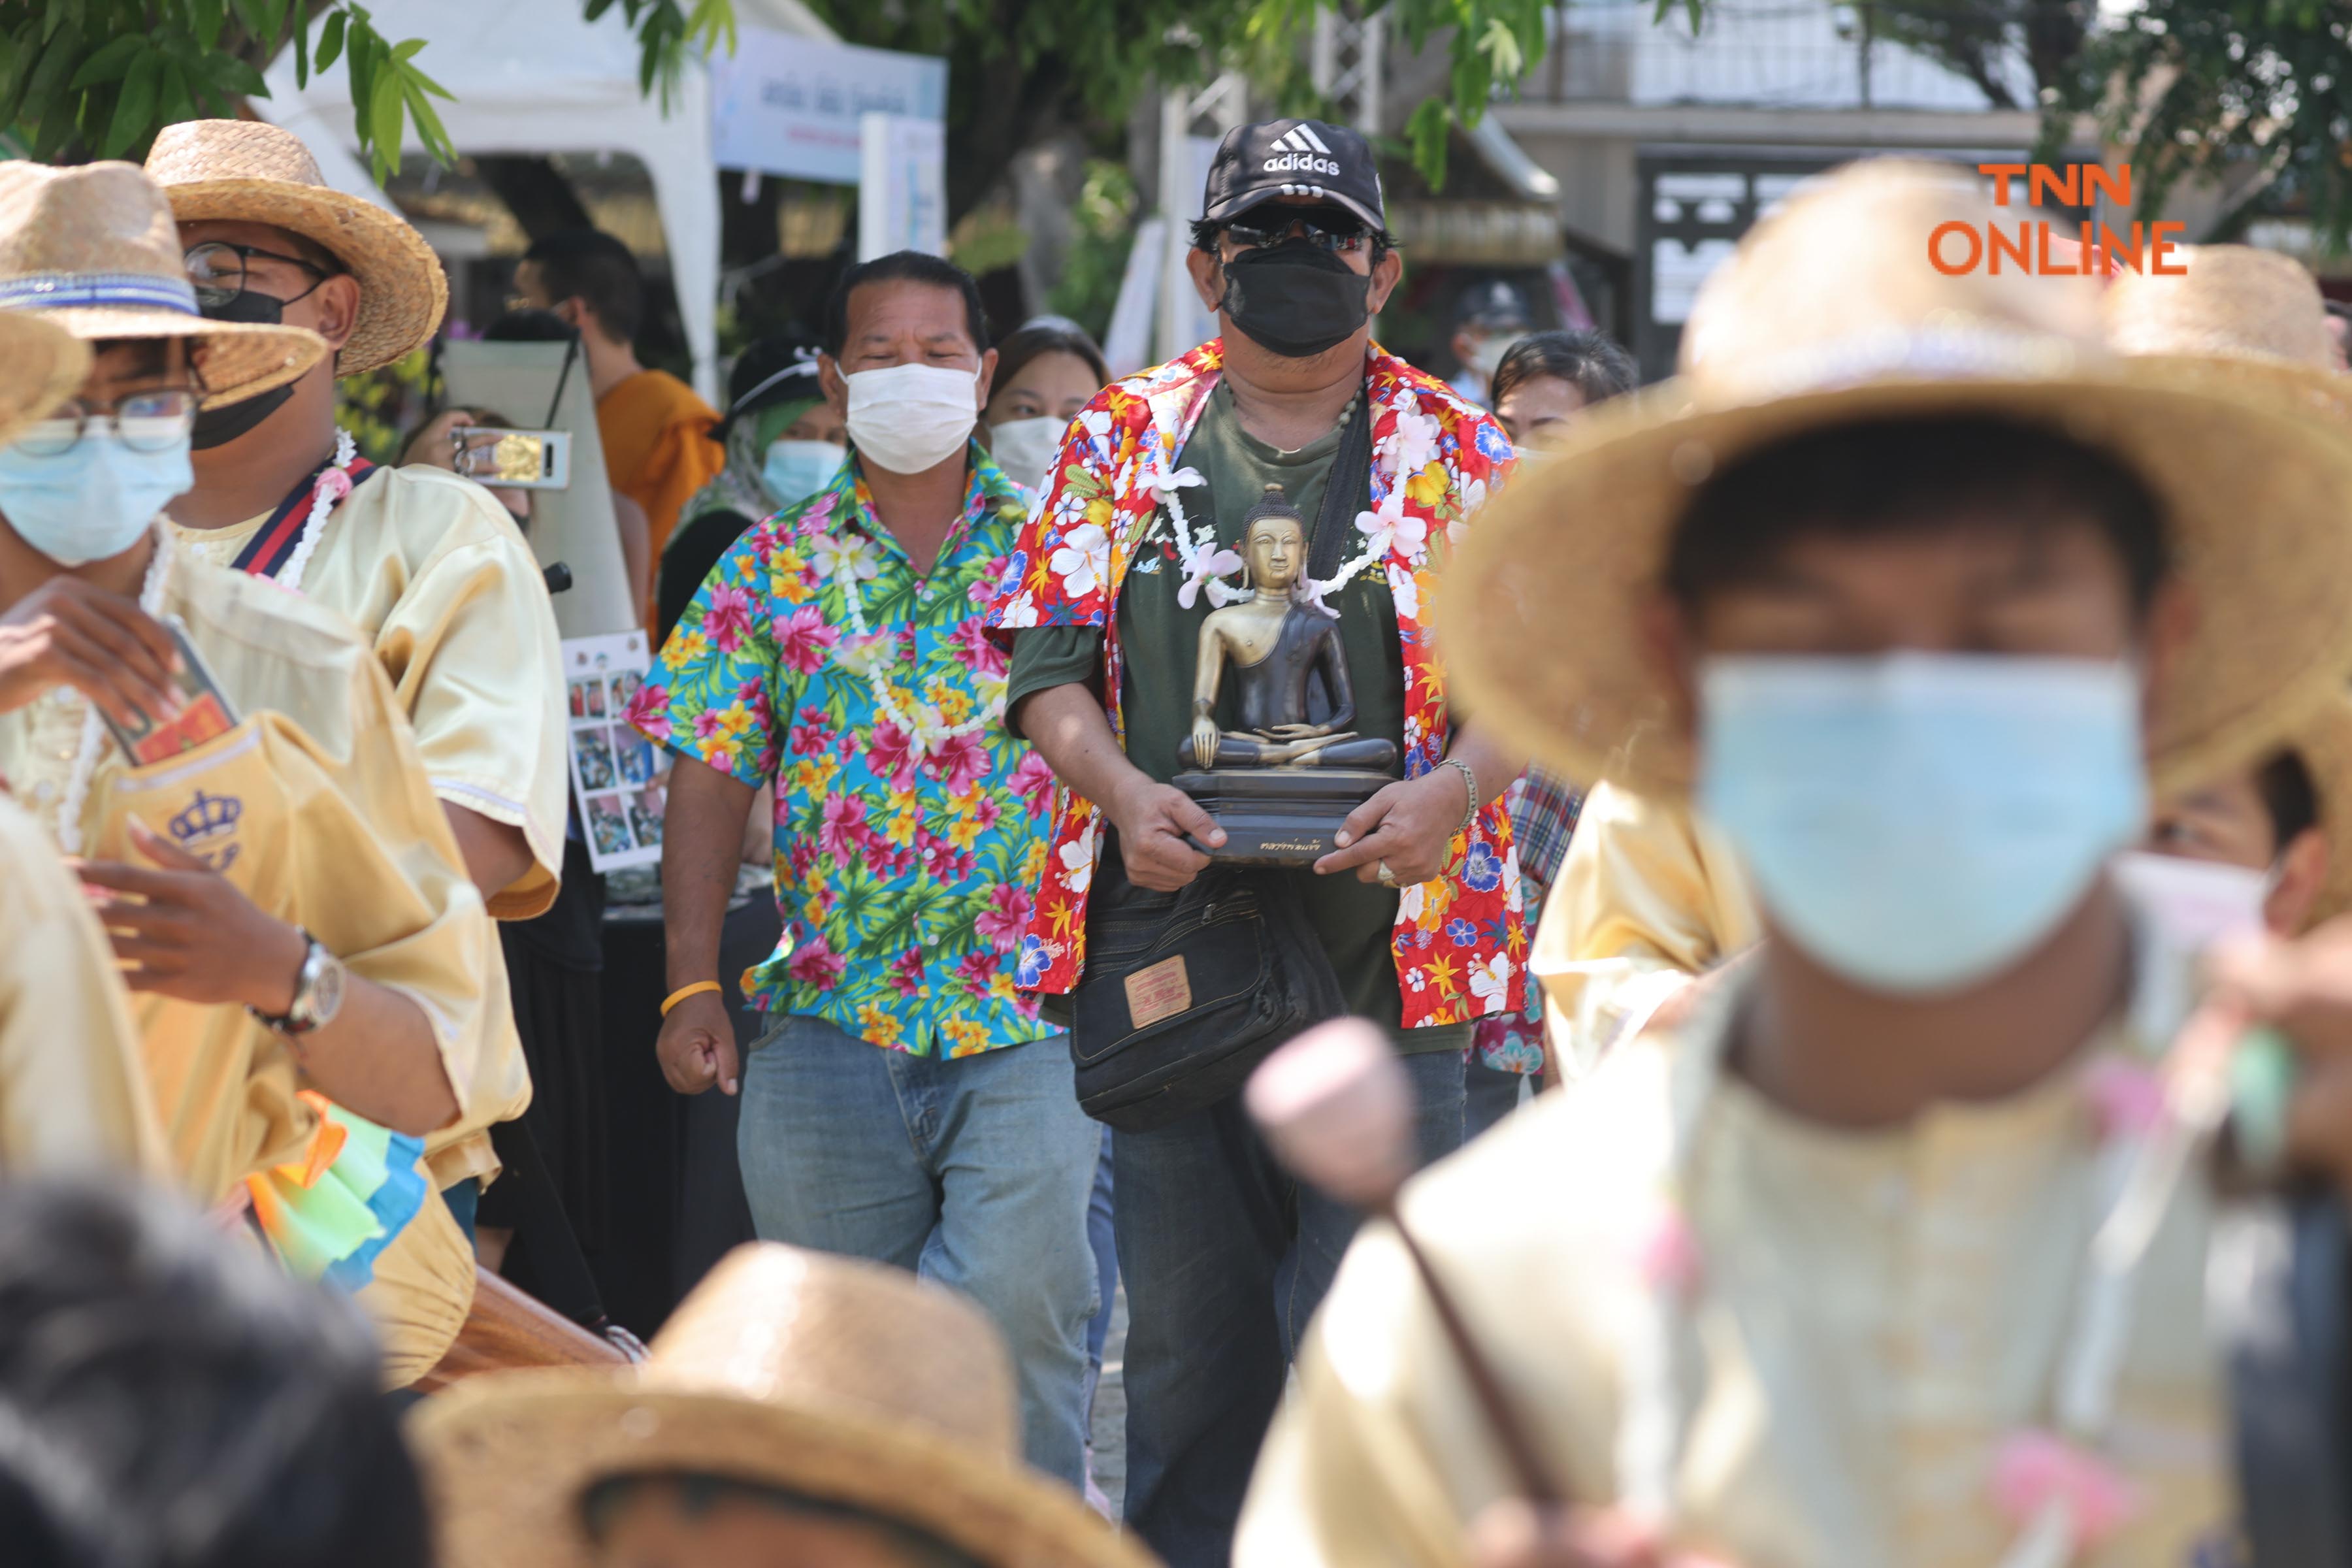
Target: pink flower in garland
{"type": "Point", "coordinates": [2034, 1469]}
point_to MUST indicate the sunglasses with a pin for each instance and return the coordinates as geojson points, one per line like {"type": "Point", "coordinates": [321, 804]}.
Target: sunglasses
{"type": "Point", "coordinates": [1339, 233]}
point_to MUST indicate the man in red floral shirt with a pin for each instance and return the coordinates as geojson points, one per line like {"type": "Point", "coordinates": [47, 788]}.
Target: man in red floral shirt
{"type": "Point", "coordinates": [1419, 910]}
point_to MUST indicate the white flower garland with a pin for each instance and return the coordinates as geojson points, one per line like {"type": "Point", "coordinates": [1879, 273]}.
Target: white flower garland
{"type": "Point", "coordinates": [1412, 449]}
{"type": "Point", "coordinates": [324, 494]}
{"type": "Point", "coordinates": [850, 563]}
{"type": "Point", "coordinates": [93, 727]}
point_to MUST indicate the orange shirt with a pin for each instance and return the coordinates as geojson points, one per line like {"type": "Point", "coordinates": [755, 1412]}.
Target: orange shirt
{"type": "Point", "coordinates": [657, 448]}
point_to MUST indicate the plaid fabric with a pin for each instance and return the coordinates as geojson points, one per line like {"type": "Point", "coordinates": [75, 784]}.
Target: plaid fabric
{"type": "Point", "coordinates": [1543, 808]}
{"type": "Point", "coordinates": [1543, 814]}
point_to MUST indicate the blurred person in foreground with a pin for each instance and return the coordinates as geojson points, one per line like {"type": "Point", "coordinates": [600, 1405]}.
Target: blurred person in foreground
{"type": "Point", "coordinates": [315, 976]}
{"type": "Point", "coordinates": [428, 567]}
{"type": "Point", "coordinates": [1546, 381]}
{"type": "Point", "coordinates": [73, 1092]}
{"type": "Point", "coordinates": [904, 1101]}
{"type": "Point", "coordinates": [1046, 373]}
{"type": "Point", "coordinates": [656, 432]}
{"type": "Point", "coordinates": [799, 1410]}
{"type": "Point", "coordinates": [1415, 914]}
{"type": "Point", "coordinates": [1823, 1287]}
{"type": "Point", "coordinates": [783, 441]}
{"type": "Point", "coordinates": [168, 1399]}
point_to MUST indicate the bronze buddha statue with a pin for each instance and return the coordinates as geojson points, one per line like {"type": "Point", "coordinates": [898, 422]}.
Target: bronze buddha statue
{"type": "Point", "coordinates": [1284, 780]}
{"type": "Point", "coordinates": [1272, 648]}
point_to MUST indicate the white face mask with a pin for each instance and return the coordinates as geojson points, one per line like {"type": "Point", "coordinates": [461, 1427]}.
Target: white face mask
{"type": "Point", "coordinates": [910, 417]}
{"type": "Point", "coordinates": [1026, 448]}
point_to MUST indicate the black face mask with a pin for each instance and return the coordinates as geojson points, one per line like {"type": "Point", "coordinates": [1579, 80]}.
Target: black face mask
{"type": "Point", "coordinates": [1295, 299]}
{"type": "Point", "coordinates": [219, 427]}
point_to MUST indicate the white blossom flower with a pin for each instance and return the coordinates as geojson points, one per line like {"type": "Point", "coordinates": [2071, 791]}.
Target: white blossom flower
{"type": "Point", "coordinates": [1405, 591]}
{"type": "Point", "coordinates": [1083, 562]}
{"type": "Point", "coordinates": [1490, 982]}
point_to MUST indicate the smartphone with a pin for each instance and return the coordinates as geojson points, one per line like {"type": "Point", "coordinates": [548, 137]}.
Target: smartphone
{"type": "Point", "coordinates": [513, 459]}
{"type": "Point", "coordinates": [204, 712]}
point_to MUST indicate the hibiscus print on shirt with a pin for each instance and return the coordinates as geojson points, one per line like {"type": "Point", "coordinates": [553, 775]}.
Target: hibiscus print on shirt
{"type": "Point", "coordinates": [905, 862]}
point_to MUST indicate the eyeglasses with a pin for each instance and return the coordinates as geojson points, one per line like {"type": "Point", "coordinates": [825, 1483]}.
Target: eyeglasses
{"type": "Point", "coordinates": [1334, 232]}
{"type": "Point", "coordinates": [218, 270]}
{"type": "Point", "coordinates": [143, 421]}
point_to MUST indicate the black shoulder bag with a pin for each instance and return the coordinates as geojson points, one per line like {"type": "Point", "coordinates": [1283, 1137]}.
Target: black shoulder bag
{"type": "Point", "coordinates": [1185, 992]}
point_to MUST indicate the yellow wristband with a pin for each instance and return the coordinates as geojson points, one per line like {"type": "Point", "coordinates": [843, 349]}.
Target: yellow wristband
{"type": "Point", "coordinates": [683, 992]}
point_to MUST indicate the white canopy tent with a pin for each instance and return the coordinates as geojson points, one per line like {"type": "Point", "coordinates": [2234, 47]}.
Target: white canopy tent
{"type": "Point", "coordinates": [533, 77]}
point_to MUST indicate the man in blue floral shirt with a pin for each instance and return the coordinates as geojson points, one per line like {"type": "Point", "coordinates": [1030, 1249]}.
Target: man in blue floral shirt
{"type": "Point", "coordinates": [904, 1103]}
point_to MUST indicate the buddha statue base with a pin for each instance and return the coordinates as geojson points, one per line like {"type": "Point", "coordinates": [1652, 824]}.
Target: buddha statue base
{"type": "Point", "coordinates": [1278, 816]}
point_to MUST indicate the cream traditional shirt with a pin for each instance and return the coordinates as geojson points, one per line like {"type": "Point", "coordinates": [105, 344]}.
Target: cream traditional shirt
{"type": "Point", "coordinates": [316, 805]}
{"type": "Point", "coordinates": [1647, 897]}
{"type": "Point", "coordinates": [433, 573]}
{"type": "Point", "coordinates": [1874, 1313]}
{"type": "Point", "coordinates": [72, 1096]}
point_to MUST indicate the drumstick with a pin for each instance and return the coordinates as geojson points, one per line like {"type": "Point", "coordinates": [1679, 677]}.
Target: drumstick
{"type": "Point", "coordinates": [1336, 1107]}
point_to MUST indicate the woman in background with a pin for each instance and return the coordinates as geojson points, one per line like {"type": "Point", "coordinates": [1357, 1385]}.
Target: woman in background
{"type": "Point", "coordinates": [1046, 374]}
{"type": "Point", "coordinates": [1546, 380]}
{"type": "Point", "coordinates": [783, 442]}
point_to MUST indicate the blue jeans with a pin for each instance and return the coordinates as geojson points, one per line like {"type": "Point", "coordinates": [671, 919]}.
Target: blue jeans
{"type": "Point", "coordinates": [1226, 1258]}
{"type": "Point", "coordinates": [974, 1172]}
{"type": "Point", "coordinates": [1489, 1094]}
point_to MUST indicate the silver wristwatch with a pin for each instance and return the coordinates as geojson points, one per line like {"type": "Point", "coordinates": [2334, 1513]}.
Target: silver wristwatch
{"type": "Point", "coordinates": [318, 993]}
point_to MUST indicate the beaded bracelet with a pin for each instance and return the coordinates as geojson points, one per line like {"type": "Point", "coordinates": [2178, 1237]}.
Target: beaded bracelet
{"type": "Point", "coordinates": [1470, 781]}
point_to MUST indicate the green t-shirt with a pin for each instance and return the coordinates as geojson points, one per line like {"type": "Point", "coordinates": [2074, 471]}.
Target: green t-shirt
{"type": "Point", "coordinates": [1159, 638]}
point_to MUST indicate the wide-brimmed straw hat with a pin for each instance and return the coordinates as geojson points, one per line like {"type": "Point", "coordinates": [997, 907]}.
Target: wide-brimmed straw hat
{"type": "Point", "coordinates": [41, 365]}
{"type": "Point", "coordinates": [93, 250]}
{"type": "Point", "coordinates": [827, 1377]}
{"type": "Point", "coordinates": [1831, 313]}
{"type": "Point", "coordinates": [241, 171]}
{"type": "Point", "coordinates": [2243, 315]}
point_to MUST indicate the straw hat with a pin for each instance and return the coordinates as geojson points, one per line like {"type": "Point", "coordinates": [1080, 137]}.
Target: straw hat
{"type": "Point", "coordinates": [242, 171]}
{"type": "Point", "coordinates": [2244, 316]}
{"type": "Point", "coordinates": [94, 250]}
{"type": "Point", "coordinates": [1829, 313]}
{"type": "Point", "coordinates": [826, 1376]}
{"type": "Point", "coordinates": [41, 365]}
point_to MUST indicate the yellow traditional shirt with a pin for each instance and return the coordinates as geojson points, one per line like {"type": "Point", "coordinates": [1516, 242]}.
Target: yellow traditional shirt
{"type": "Point", "coordinates": [1647, 897]}
{"type": "Point", "coordinates": [72, 1096]}
{"type": "Point", "coordinates": [1874, 1312]}
{"type": "Point", "coordinates": [433, 573]}
{"type": "Point", "coordinates": [320, 794]}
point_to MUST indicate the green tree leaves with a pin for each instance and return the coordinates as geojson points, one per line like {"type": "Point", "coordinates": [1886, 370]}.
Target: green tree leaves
{"type": "Point", "coordinates": [102, 76]}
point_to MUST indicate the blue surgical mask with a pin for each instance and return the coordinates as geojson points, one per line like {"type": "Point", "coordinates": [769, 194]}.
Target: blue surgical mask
{"type": "Point", "coordinates": [1917, 822]}
{"type": "Point", "coordinates": [794, 470]}
{"type": "Point", "coordinates": [94, 499]}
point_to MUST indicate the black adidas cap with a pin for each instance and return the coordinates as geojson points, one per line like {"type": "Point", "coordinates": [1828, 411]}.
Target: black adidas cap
{"type": "Point", "coordinates": [1256, 163]}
